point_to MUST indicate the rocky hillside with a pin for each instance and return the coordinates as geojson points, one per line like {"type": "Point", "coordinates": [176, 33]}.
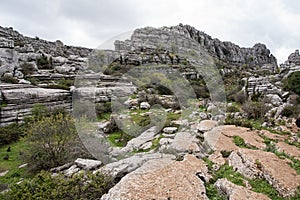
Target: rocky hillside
{"type": "Point", "coordinates": [233, 137]}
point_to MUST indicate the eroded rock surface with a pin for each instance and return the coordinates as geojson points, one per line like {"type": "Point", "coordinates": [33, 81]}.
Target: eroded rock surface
{"type": "Point", "coordinates": [160, 179]}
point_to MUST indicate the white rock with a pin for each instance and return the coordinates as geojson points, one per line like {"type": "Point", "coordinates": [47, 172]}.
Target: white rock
{"type": "Point", "coordinates": [145, 105]}
{"type": "Point", "coordinates": [170, 130]}
{"type": "Point", "coordinates": [73, 169]}
{"type": "Point", "coordinates": [88, 164]}
{"type": "Point", "coordinates": [206, 125]}
{"type": "Point", "coordinates": [23, 81]}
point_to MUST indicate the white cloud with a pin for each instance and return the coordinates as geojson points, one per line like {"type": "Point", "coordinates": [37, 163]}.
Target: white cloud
{"type": "Point", "coordinates": [91, 22]}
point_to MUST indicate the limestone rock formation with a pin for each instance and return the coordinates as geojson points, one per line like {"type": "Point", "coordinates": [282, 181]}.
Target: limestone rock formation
{"type": "Point", "coordinates": [235, 192]}
{"type": "Point", "coordinates": [159, 179]}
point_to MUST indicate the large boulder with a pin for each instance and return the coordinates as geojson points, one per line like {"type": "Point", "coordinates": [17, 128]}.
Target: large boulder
{"type": "Point", "coordinates": [160, 179]}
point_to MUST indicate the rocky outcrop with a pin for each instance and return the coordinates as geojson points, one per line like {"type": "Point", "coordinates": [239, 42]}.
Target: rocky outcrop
{"type": "Point", "coordinates": [159, 179]}
{"type": "Point", "coordinates": [226, 51]}
{"type": "Point", "coordinates": [57, 48]}
{"type": "Point", "coordinates": [294, 58]}
{"type": "Point", "coordinates": [17, 101]}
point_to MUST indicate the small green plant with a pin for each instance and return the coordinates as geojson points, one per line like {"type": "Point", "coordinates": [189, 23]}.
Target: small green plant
{"type": "Point", "coordinates": [118, 138]}
{"type": "Point", "coordinates": [238, 141]}
{"type": "Point", "coordinates": [225, 153]}
{"type": "Point", "coordinates": [262, 186]}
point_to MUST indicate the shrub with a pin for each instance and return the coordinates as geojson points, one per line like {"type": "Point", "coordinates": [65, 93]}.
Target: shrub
{"type": "Point", "coordinates": [11, 133]}
{"type": "Point", "coordinates": [240, 97]}
{"type": "Point", "coordinates": [27, 68]}
{"type": "Point", "coordinates": [292, 83]}
{"type": "Point", "coordinates": [290, 111]}
{"type": "Point", "coordinates": [53, 142]}
{"type": "Point", "coordinates": [45, 186]}
{"type": "Point", "coordinates": [232, 109]}
{"type": "Point", "coordinates": [44, 63]}
{"type": "Point", "coordinates": [9, 79]}
{"type": "Point", "coordinates": [255, 110]}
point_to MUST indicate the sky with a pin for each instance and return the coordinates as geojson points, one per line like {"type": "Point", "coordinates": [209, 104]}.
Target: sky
{"type": "Point", "coordinates": [89, 23]}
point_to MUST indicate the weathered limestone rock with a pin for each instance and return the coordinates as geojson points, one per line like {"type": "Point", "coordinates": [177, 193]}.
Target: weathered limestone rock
{"type": "Point", "coordinates": [235, 192]}
{"type": "Point", "coordinates": [206, 125]}
{"type": "Point", "coordinates": [288, 149]}
{"type": "Point", "coordinates": [170, 130]}
{"type": "Point", "coordinates": [87, 164]}
{"type": "Point", "coordinates": [294, 58]}
{"type": "Point", "coordinates": [159, 179]}
{"type": "Point", "coordinates": [145, 105]}
{"type": "Point", "coordinates": [261, 164]}
{"type": "Point", "coordinates": [122, 167]}
{"type": "Point", "coordinates": [136, 143]}
{"type": "Point", "coordinates": [19, 99]}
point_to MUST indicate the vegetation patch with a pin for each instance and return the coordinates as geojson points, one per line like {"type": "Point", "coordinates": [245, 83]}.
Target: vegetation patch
{"type": "Point", "coordinates": [48, 187]}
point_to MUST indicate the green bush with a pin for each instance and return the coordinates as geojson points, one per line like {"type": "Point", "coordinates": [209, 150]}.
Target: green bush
{"type": "Point", "coordinates": [53, 142]}
{"type": "Point", "coordinates": [290, 111]}
{"type": "Point", "coordinates": [9, 79]}
{"type": "Point", "coordinates": [255, 110]}
{"type": "Point", "coordinates": [47, 187]}
{"type": "Point", "coordinates": [11, 133]}
{"type": "Point", "coordinates": [27, 68]}
{"type": "Point", "coordinates": [44, 63]}
{"type": "Point", "coordinates": [233, 109]}
{"type": "Point", "coordinates": [292, 83]}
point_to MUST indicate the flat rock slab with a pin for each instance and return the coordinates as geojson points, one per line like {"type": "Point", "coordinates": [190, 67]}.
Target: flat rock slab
{"type": "Point", "coordinates": [235, 192]}
{"type": "Point", "coordinates": [261, 164]}
{"type": "Point", "coordinates": [206, 125]}
{"type": "Point", "coordinates": [137, 142]}
{"type": "Point", "coordinates": [87, 164]}
{"type": "Point", "coordinates": [162, 179]}
{"type": "Point", "coordinates": [288, 149]}
{"type": "Point", "coordinates": [127, 165]}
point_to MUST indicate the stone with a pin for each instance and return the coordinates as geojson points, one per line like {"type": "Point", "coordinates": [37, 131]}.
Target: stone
{"type": "Point", "coordinates": [23, 81]}
{"type": "Point", "coordinates": [20, 99]}
{"type": "Point", "coordinates": [235, 192]}
{"type": "Point", "coordinates": [3, 173]}
{"type": "Point", "coordinates": [23, 165]}
{"type": "Point", "coordinates": [61, 168]}
{"type": "Point", "coordinates": [159, 179]}
{"type": "Point", "coordinates": [288, 149]}
{"type": "Point", "coordinates": [87, 164]}
{"type": "Point", "coordinates": [294, 58]}
{"type": "Point", "coordinates": [65, 69]}
{"type": "Point", "coordinates": [170, 130]}
{"type": "Point", "coordinates": [261, 164]}
{"type": "Point", "coordinates": [124, 166]}
{"type": "Point", "coordinates": [136, 143]}
{"type": "Point", "coordinates": [182, 142]}
{"type": "Point", "coordinates": [145, 105]}
{"type": "Point", "coordinates": [72, 170]}
{"type": "Point", "coordinates": [274, 99]}
{"type": "Point", "coordinates": [206, 125]}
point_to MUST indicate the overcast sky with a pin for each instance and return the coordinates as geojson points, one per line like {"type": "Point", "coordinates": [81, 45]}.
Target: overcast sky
{"type": "Point", "coordinates": [89, 23]}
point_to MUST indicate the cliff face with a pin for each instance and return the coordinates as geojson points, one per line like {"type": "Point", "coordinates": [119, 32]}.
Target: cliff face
{"type": "Point", "coordinates": [189, 37]}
